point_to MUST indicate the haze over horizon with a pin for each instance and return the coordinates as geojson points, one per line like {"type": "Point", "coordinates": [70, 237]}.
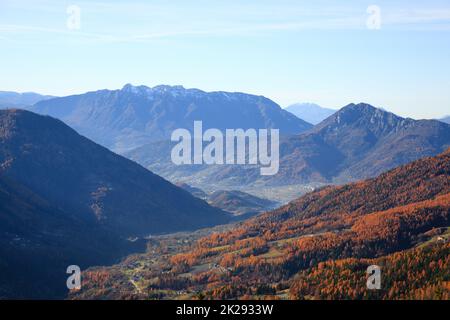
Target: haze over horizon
{"type": "Point", "coordinates": [286, 51]}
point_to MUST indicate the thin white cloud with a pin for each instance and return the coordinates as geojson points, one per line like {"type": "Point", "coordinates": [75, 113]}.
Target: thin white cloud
{"type": "Point", "coordinates": [27, 30]}
{"type": "Point", "coordinates": [248, 22]}
{"type": "Point", "coordinates": [418, 18]}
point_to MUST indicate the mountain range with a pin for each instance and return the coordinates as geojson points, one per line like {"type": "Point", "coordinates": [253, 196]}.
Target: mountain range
{"type": "Point", "coordinates": [356, 142]}
{"type": "Point", "coordinates": [310, 112]}
{"type": "Point", "coordinates": [75, 201]}
{"type": "Point", "coordinates": [65, 199]}
{"type": "Point", "coordinates": [124, 119]}
{"type": "Point", "coordinates": [360, 141]}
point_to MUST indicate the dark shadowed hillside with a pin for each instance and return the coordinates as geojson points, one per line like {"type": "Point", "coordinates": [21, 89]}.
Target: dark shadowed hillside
{"type": "Point", "coordinates": [38, 241]}
{"type": "Point", "coordinates": [82, 177]}
{"type": "Point", "coordinates": [66, 200]}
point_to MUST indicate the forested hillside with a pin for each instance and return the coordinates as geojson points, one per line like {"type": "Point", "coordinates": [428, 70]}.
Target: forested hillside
{"type": "Point", "coordinates": [331, 234]}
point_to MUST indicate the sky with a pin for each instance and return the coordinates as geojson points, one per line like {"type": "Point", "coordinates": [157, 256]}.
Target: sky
{"type": "Point", "coordinates": [391, 54]}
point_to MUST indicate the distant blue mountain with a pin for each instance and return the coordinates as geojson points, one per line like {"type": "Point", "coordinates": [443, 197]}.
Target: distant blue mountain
{"type": "Point", "coordinates": [9, 99]}
{"type": "Point", "coordinates": [310, 112]}
{"type": "Point", "coordinates": [356, 142]}
{"type": "Point", "coordinates": [135, 115]}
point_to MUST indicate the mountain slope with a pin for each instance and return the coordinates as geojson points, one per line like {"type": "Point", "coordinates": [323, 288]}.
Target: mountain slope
{"type": "Point", "coordinates": [360, 141]}
{"type": "Point", "coordinates": [79, 176]}
{"type": "Point", "coordinates": [445, 119]}
{"type": "Point", "coordinates": [135, 115]}
{"type": "Point", "coordinates": [65, 200]}
{"type": "Point", "coordinates": [427, 270]}
{"type": "Point", "coordinates": [356, 142]}
{"type": "Point", "coordinates": [390, 218]}
{"type": "Point", "coordinates": [240, 203]}
{"type": "Point", "coordinates": [38, 241]}
{"type": "Point", "coordinates": [310, 112]}
{"type": "Point", "coordinates": [196, 192]}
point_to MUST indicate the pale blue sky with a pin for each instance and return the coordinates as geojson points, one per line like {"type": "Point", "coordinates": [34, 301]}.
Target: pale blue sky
{"type": "Point", "coordinates": [289, 51]}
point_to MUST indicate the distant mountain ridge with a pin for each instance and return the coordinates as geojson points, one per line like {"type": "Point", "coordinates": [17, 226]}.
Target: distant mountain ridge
{"type": "Point", "coordinates": [10, 99]}
{"type": "Point", "coordinates": [310, 112]}
{"type": "Point", "coordinates": [136, 115]}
